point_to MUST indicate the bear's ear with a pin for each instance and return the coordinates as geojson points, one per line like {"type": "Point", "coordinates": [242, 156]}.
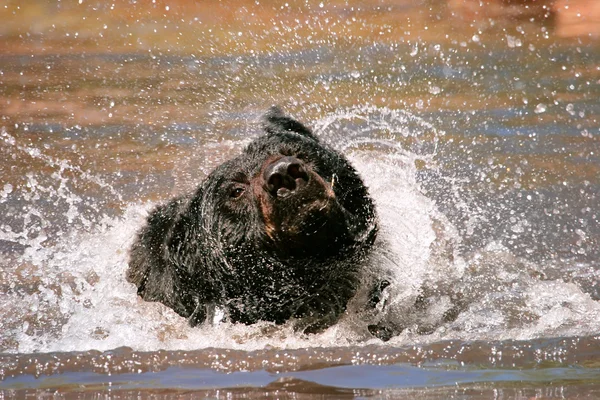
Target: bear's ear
{"type": "Point", "coordinates": [275, 121]}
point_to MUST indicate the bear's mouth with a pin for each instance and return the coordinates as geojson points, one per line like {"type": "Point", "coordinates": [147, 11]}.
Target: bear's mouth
{"type": "Point", "coordinates": [300, 209]}
{"type": "Point", "coordinates": [315, 228]}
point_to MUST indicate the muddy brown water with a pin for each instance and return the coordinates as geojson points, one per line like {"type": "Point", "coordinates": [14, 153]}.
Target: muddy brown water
{"type": "Point", "coordinates": [478, 138]}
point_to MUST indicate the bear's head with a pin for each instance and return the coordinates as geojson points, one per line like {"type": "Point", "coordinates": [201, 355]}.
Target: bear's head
{"type": "Point", "coordinates": [287, 197]}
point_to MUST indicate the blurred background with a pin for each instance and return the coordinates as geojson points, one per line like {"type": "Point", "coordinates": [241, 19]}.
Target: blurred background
{"type": "Point", "coordinates": [151, 85]}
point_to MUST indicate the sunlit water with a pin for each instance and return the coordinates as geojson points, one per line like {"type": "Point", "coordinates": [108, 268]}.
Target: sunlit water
{"type": "Point", "coordinates": [483, 158]}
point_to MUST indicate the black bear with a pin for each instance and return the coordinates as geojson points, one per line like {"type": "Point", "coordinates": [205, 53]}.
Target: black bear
{"type": "Point", "coordinates": [276, 233]}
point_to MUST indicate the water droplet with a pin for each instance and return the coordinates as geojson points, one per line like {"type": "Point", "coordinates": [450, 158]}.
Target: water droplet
{"type": "Point", "coordinates": [513, 41]}
{"type": "Point", "coordinates": [570, 109]}
{"type": "Point", "coordinates": [8, 188]}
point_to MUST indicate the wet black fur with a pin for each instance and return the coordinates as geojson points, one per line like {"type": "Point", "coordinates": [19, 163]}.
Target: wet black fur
{"type": "Point", "coordinates": [211, 248]}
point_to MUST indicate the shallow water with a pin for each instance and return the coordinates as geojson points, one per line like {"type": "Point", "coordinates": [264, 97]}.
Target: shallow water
{"type": "Point", "coordinates": [478, 140]}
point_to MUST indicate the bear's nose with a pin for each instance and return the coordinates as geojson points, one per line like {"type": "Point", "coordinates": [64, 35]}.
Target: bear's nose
{"type": "Point", "coordinates": [285, 176]}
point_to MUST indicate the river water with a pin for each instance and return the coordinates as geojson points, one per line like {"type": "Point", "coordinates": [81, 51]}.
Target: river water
{"type": "Point", "coordinates": [478, 138]}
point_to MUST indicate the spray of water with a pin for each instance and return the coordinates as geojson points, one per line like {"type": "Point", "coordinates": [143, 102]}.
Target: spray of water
{"type": "Point", "coordinates": [63, 289]}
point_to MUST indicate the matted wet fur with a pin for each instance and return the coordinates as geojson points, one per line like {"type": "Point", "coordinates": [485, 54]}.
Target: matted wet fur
{"type": "Point", "coordinates": [278, 232]}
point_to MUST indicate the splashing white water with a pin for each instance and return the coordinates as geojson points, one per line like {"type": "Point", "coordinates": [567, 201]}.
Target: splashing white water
{"type": "Point", "coordinates": [69, 293]}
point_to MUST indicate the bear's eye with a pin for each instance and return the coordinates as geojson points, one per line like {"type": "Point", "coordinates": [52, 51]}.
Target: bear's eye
{"type": "Point", "coordinates": [236, 192]}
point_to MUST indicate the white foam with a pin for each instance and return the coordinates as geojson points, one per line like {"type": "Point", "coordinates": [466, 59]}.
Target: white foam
{"type": "Point", "coordinates": [80, 299]}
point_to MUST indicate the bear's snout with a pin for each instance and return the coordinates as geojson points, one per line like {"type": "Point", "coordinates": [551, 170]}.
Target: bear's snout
{"type": "Point", "coordinates": [285, 176]}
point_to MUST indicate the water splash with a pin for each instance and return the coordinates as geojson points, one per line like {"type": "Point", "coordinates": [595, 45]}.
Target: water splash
{"type": "Point", "coordinates": [61, 165]}
{"type": "Point", "coordinates": [64, 289]}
